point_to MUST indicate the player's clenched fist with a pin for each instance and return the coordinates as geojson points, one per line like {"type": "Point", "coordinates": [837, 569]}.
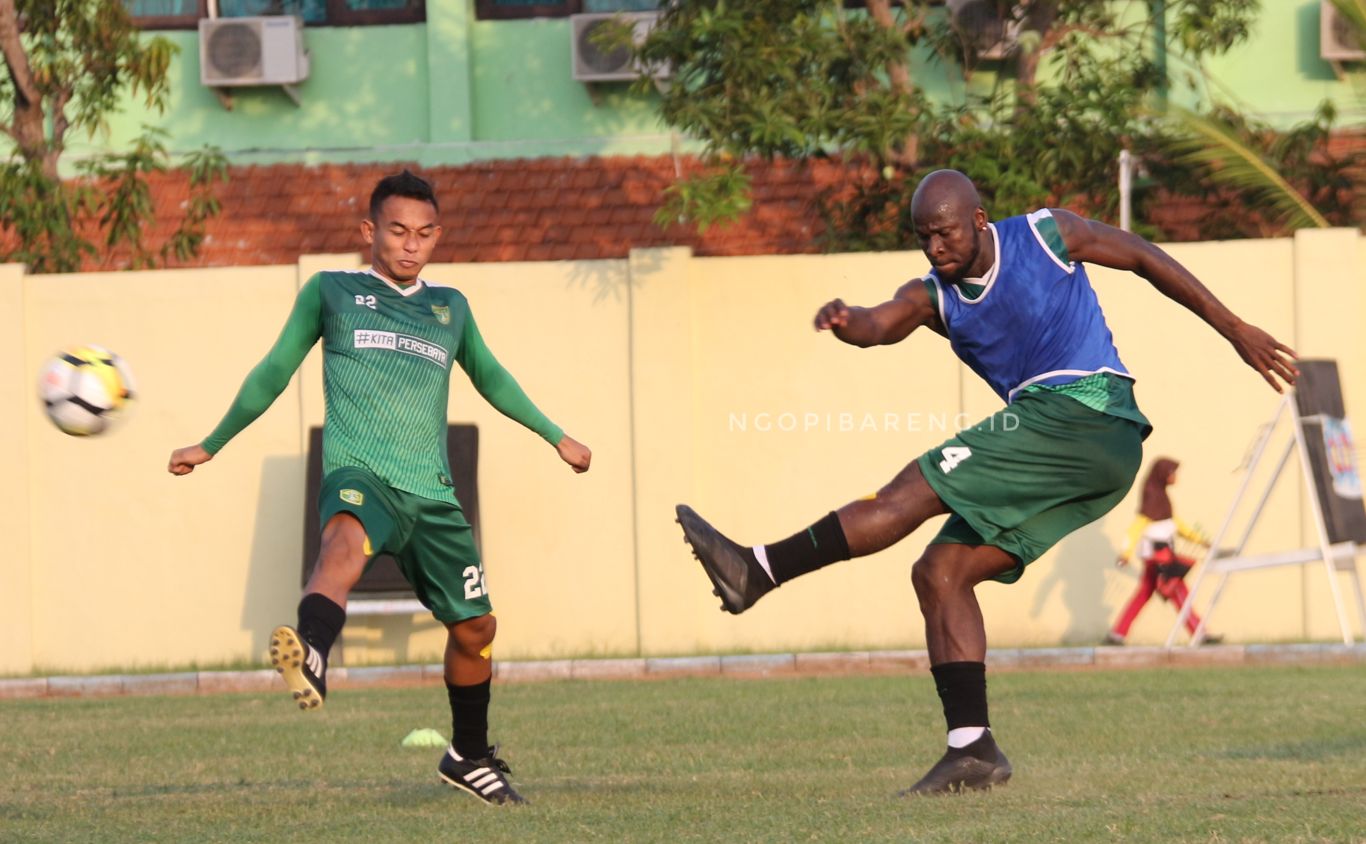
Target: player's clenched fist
{"type": "Point", "coordinates": [183, 460]}
{"type": "Point", "coordinates": [832, 314]}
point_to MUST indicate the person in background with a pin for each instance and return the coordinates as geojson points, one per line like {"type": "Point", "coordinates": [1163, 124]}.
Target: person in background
{"type": "Point", "coordinates": [1153, 536]}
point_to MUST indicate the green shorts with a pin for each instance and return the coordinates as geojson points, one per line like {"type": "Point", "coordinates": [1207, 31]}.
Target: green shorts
{"type": "Point", "coordinates": [1029, 475]}
{"type": "Point", "coordinates": [430, 540]}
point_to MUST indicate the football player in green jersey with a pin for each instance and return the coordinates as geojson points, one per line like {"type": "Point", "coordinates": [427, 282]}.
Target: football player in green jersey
{"type": "Point", "coordinates": [389, 342]}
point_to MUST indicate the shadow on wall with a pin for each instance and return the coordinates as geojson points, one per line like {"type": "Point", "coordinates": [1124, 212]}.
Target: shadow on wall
{"type": "Point", "coordinates": [607, 280]}
{"type": "Point", "coordinates": [391, 639]}
{"type": "Point", "coordinates": [272, 582]}
{"type": "Point", "coordinates": [1079, 571]}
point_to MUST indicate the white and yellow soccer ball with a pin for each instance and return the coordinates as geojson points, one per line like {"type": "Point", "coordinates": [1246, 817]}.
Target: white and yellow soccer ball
{"type": "Point", "coordinates": [85, 389]}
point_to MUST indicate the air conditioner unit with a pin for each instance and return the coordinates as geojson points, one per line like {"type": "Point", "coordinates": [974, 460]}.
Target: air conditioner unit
{"type": "Point", "coordinates": [252, 51]}
{"type": "Point", "coordinates": [986, 33]}
{"type": "Point", "coordinates": [1338, 38]}
{"type": "Point", "coordinates": [593, 63]}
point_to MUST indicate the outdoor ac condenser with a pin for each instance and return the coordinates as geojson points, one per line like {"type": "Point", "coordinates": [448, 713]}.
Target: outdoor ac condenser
{"type": "Point", "coordinates": [252, 51]}
{"type": "Point", "coordinates": [1336, 41]}
{"type": "Point", "coordinates": [592, 63]}
{"type": "Point", "coordinates": [984, 32]}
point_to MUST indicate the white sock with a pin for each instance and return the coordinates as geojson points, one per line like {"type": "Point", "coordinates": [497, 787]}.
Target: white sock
{"type": "Point", "coordinates": [964, 736]}
{"type": "Point", "coordinates": [762, 556]}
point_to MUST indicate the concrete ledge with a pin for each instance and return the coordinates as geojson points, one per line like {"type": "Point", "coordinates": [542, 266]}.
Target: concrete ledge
{"type": "Point", "coordinates": [739, 665]}
{"type": "Point", "coordinates": [380, 675]}
{"type": "Point", "coordinates": [186, 683]}
{"type": "Point", "coordinates": [213, 682]}
{"type": "Point", "coordinates": [1130, 657]}
{"type": "Point", "coordinates": [1041, 657]}
{"type": "Point", "coordinates": [97, 685]}
{"type": "Point", "coordinates": [13, 689]}
{"type": "Point", "coordinates": [1301, 653]}
{"type": "Point", "coordinates": [762, 665]}
{"type": "Point", "coordinates": [1003, 659]}
{"type": "Point", "coordinates": [684, 666]}
{"type": "Point", "coordinates": [607, 669]}
{"type": "Point", "coordinates": [550, 669]}
{"type": "Point", "coordinates": [854, 662]}
{"type": "Point", "coordinates": [1209, 655]}
{"type": "Point", "coordinates": [899, 661]}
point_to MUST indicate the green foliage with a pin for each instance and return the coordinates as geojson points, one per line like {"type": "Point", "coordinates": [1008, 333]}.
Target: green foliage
{"type": "Point", "coordinates": [719, 194]}
{"type": "Point", "coordinates": [39, 213]}
{"type": "Point", "coordinates": [1234, 161]}
{"type": "Point", "coordinates": [774, 78]}
{"type": "Point", "coordinates": [1275, 179]}
{"type": "Point", "coordinates": [68, 64]}
{"type": "Point", "coordinates": [1213, 26]}
{"type": "Point", "coordinates": [804, 79]}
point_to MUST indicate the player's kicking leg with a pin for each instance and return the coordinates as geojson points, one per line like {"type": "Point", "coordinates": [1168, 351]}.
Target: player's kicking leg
{"type": "Point", "coordinates": [300, 653]}
{"type": "Point", "coordinates": [740, 576]}
{"type": "Point", "coordinates": [303, 668]}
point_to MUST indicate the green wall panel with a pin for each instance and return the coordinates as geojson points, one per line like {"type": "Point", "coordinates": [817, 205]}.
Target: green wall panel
{"type": "Point", "coordinates": [456, 89]}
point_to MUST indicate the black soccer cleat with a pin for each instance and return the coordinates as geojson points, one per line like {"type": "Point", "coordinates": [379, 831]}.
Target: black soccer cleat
{"type": "Point", "coordinates": [738, 579]}
{"type": "Point", "coordinates": [301, 667]}
{"type": "Point", "coordinates": [978, 766]}
{"type": "Point", "coordinates": [484, 778]}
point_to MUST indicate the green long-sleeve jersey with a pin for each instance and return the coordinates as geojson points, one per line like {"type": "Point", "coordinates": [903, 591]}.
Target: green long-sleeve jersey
{"type": "Point", "coordinates": [387, 355]}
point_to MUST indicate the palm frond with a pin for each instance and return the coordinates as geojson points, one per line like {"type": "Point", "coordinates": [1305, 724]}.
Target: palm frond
{"type": "Point", "coordinates": [1230, 161]}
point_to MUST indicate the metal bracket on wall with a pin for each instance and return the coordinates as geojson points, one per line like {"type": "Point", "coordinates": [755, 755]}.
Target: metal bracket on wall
{"type": "Point", "coordinates": [224, 96]}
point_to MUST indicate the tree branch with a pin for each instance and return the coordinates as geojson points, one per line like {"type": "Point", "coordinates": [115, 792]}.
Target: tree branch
{"type": "Point", "coordinates": [60, 122]}
{"type": "Point", "coordinates": [25, 92]}
{"type": "Point", "coordinates": [898, 74]}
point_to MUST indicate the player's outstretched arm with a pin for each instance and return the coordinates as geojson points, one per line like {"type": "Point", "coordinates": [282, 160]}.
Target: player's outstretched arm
{"type": "Point", "coordinates": [1094, 242]}
{"type": "Point", "coordinates": [183, 460]}
{"type": "Point", "coordinates": [268, 379]}
{"type": "Point", "coordinates": [890, 322]}
{"type": "Point", "coordinates": [575, 453]}
{"type": "Point", "coordinates": [497, 385]}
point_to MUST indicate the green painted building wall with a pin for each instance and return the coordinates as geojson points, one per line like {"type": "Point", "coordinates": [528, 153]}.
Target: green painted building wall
{"type": "Point", "coordinates": [457, 89]}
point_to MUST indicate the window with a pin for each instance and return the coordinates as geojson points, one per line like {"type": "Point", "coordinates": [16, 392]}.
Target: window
{"type": "Point", "coordinates": [185, 14]}
{"type": "Point", "coordinates": [505, 9]}
{"type": "Point", "coordinates": [164, 14]}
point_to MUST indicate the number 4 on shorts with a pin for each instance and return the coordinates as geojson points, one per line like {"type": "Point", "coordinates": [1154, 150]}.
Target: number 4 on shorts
{"type": "Point", "coordinates": [953, 455]}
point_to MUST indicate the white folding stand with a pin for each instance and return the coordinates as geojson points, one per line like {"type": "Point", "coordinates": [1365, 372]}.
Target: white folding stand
{"type": "Point", "coordinates": [1336, 557]}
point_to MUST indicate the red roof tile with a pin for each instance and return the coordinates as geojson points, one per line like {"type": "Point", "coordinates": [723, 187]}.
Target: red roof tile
{"type": "Point", "coordinates": [538, 209]}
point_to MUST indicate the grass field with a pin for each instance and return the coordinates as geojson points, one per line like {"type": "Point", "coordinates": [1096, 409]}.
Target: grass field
{"type": "Point", "coordinates": [1274, 754]}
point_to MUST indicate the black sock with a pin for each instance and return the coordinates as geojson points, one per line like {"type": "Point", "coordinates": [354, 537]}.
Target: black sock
{"type": "Point", "coordinates": [816, 547]}
{"type": "Point", "coordinates": [320, 622]}
{"type": "Point", "coordinates": [470, 719]}
{"type": "Point", "coordinates": [962, 688]}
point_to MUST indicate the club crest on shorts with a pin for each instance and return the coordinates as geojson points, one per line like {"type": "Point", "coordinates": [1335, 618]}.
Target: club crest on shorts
{"type": "Point", "coordinates": [353, 496]}
{"type": "Point", "coordinates": [442, 313]}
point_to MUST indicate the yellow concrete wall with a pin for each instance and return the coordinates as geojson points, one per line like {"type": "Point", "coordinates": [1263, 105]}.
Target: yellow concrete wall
{"type": "Point", "coordinates": [18, 383]}
{"type": "Point", "coordinates": [694, 380]}
{"type": "Point", "coordinates": [129, 564]}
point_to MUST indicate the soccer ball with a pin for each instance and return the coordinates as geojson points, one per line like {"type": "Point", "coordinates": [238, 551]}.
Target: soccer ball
{"type": "Point", "coordinates": [84, 389]}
